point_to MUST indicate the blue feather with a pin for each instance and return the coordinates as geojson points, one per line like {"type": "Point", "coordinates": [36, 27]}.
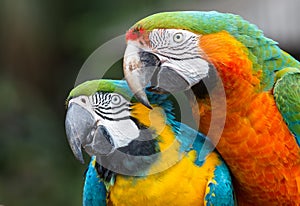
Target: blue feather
{"type": "Point", "coordinates": [221, 192]}
{"type": "Point", "coordinates": [220, 189]}
{"type": "Point", "coordinates": [94, 192]}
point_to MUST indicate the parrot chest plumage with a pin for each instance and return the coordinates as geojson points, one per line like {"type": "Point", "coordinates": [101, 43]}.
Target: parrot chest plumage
{"type": "Point", "coordinates": [262, 123]}
{"type": "Point", "coordinates": [181, 184]}
{"type": "Point", "coordinates": [258, 148]}
{"type": "Point", "coordinates": [174, 165]}
{"type": "Point", "coordinates": [256, 143]}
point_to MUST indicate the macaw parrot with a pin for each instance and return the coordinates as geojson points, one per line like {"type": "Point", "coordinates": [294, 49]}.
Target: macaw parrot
{"type": "Point", "coordinates": [141, 156]}
{"type": "Point", "coordinates": [183, 50]}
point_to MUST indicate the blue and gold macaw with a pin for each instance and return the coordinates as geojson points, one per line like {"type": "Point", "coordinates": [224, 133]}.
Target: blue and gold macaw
{"type": "Point", "coordinates": [141, 156]}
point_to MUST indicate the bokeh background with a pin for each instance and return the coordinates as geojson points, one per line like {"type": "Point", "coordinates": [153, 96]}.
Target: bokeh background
{"type": "Point", "coordinates": [43, 45]}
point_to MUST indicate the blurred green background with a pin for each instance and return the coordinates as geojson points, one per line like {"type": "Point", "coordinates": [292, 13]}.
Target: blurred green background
{"type": "Point", "coordinates": [43, 46]}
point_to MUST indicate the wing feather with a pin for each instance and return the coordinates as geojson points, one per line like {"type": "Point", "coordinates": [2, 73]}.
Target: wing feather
{"type": "Point", "coordinates": [287, 96]}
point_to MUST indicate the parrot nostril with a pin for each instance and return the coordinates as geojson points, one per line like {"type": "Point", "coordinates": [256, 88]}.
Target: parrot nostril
{"type": "Point", "coordinates": [83, 100]}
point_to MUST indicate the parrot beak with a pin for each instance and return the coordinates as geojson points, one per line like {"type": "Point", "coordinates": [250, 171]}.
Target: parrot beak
{"type": "Point", "coordinates": [139, 67]}
{"type": "Point", "coordinates": [79, 123]}
{"type": "Point", "coordinates": [142, 66]}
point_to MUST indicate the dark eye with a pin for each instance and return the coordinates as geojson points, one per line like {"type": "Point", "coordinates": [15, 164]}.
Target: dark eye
{"type": "Point", "coordinates": [83, 100]}
{"type": "Point", "coordinates": [115, 99]}
{"type": "Point", "coordinates": [178, 37]}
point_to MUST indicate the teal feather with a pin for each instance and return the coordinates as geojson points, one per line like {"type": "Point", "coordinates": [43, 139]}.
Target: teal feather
{"type": "Point", "coordinates": [95, 190]}
{"type": "Point", "coordinates": [220, 192]}
{"type": "Point", "coordinates": [191, 139]}
{"type": "Point", "coordinates": [221, 189]}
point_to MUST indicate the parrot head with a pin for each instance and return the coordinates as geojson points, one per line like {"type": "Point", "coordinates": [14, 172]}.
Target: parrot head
{"type": "Point", "coordinates": [166, 57]}
{"type": "Point", "coordinates": [106, 121]}
{"type": "Point", "coordinates": [92, 106]}
{"type": "Point", "coordinates": [176, 51]}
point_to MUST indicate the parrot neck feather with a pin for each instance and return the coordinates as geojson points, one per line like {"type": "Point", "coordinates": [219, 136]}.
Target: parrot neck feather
{"type": "Point", "coordinates": [262, 146]}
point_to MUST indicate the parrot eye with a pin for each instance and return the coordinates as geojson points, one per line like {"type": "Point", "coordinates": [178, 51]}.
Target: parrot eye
{"type": "Point", "coordinates": [83, 100]}
{"type": "Point", "coordinates": [178, 37]}
{"type": "Point", "coordinates": [115, 100]}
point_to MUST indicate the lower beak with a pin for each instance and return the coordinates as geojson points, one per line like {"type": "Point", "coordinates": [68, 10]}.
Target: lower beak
{"type": "Point", "coordinates": [101, 143]}
{"type": "Point", "coordinates": [79, 123]}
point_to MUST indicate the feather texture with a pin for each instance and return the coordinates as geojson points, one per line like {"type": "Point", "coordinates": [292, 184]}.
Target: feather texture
{"type": "Point", "coordinates": [193, 174]}
{"type": "Point", "coordinates": [263, 52]}
{"type": "Point", "coordinates": [260, 140]}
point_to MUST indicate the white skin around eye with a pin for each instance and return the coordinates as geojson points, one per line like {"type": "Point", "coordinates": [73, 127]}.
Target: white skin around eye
{"type": "Point", "coordinates": [121, 129]}
{"type": "Point", "coordinates": [175, 43]}
{"type": "Point", "coordinates": [179, 50]}
{"type": "Point", "coordinates": [122, 132]}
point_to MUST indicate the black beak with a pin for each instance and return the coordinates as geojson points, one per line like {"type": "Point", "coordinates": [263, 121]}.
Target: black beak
{"type": "Point", "coordinates": [83, 132]}
{"type": "Point", "coordinates": [79, 123]}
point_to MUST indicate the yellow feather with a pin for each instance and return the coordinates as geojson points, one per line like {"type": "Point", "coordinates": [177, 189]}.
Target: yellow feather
{"type": "Point", "coordinates": [183, 183]}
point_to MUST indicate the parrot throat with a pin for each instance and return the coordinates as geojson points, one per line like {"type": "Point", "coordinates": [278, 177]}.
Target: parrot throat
{"type": "Point", "coordinates": [201, 90]}
{"type": "Point", "coordinates": [142, 146]}
{"type": "Point", "coordinates": [139, 158]}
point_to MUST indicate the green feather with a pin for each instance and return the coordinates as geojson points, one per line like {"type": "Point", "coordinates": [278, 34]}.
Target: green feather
{"type": "Point", "coordinates": [121, 87]}
{"type": "Point", "coordinates": [287, 96]}
{"type": "Point", "coordinates": [263, 52]}
{"type": "Point", "coordinates": [90, 87]}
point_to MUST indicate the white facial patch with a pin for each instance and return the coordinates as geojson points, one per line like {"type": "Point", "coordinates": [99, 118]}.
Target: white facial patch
{"type": "Point", "coordinates": [122, 132]}
{"type": "Point", "coordinates": [179, 50]}
{"type": "Point", "coordinates": [175, 43]}
{"type": "Point", "coordinates": [112, 111]}
{"type": "Point", "coordinates": [195, 69]}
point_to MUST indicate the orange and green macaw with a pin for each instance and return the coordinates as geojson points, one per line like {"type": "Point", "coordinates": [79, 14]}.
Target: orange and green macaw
{"type": "Point", "coordinates": [141, 156]}
{"type": "Point", "coordinates": [192, 51]}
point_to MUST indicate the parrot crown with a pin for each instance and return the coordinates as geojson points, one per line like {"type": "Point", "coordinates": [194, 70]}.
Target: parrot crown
{"type": "Point", "coordinates": [195, 21]}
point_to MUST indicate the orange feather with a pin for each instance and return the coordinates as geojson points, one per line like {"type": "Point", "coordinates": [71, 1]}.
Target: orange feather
{"type": "Point", "coordinates": [256, 143]}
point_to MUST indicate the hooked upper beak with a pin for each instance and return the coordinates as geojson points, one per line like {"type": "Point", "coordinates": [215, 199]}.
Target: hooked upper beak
{"type": "Point", "coordinates": [139, 67]}
{"type": "Point", "coordinates": [79, 123]}
{"type": "Point", "coordinates": [83, 132]}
